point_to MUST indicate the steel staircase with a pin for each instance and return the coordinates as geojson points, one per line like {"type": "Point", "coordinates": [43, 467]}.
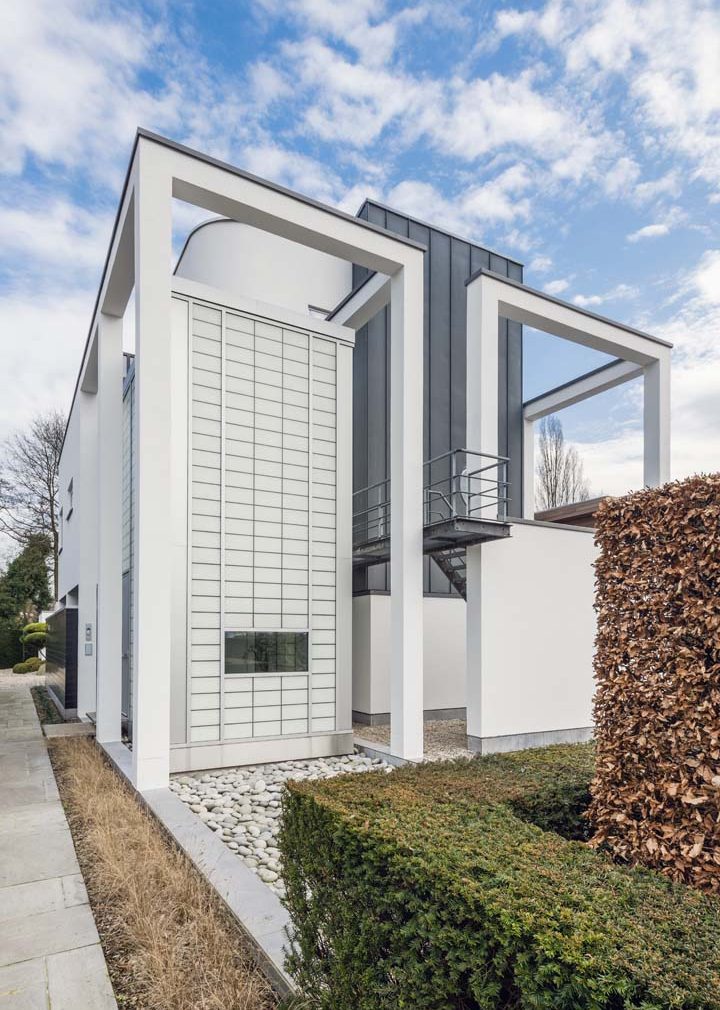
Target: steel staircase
{"type": "Point", "coordinates": [452, 562]}
{"type": "Point", "coordinates": [464, 503]}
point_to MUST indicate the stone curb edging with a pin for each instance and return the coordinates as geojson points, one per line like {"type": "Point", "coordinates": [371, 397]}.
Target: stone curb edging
{"type": "Point", "coordinates": [380, 750]}
{"type": "Point", "coordinates": [258, 911]}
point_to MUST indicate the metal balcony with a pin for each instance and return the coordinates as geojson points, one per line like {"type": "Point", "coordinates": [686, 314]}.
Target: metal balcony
{"type": "Point", "coordinates": [465, 495]}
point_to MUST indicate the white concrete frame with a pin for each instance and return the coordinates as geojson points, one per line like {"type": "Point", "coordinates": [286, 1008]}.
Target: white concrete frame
{"type": "Point", "coordinates": [598, 381]}
{"type": "Point", "coordinates": [491, 296]}
{"type": "Point", "coordinates": [139, 258]}
{"type": "Point", "coordinates": [363, 303]}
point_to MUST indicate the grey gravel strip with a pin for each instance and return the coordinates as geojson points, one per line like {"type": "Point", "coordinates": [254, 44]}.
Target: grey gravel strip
{"type": "Point", "coordinates": [242, 805]}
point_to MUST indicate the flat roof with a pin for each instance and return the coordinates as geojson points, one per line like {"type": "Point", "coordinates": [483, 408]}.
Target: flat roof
{"type": "Point", "coordinates": [567, 305]}
{"type": "Point", "coordinates": [275, 187]}
{"type": "Point", "coordinates": [225, 167]}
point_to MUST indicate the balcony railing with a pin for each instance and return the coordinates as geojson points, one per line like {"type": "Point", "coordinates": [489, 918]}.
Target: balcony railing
{"type": "Point", "coordinates": [459, 484]}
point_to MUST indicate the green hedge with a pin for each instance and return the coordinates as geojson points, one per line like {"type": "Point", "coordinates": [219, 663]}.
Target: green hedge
{"type": "Point", "coordinates": [30, 666]}
{"type": "Point", "coordinates": [429, 888]}
{"type": "Point", "coordinates": [35, 627]}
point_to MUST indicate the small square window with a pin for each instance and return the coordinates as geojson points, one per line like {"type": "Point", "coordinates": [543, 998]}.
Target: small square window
{"type": "Point", "coordinates": [266, 652]}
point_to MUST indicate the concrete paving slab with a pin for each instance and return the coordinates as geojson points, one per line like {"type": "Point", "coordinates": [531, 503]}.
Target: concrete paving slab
{"type": "Point", "coordinates": [24, 986]}
{"type": "Point", "coordinates": [77, 978]}
{"type": "Point", "coordinates": [28, 856]}
{"type": "Point", "coordinates": [31, 899]}
{"type": "Point", "coordinates": [52, 729]}
{"type": "Point", "coordinates": [33, 818]}
{"type": "Point", "coordinates": [29, 936]}
{"type": "Point", "coordinates": [50, 955]}
{"type": "Point", "coordinates": [74, 890]}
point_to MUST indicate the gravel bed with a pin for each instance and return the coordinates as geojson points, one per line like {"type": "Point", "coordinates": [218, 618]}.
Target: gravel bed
{"type": "Point", "coordinates": [445, 739]}
{"type": "Point", "coordinates": [242, 805]}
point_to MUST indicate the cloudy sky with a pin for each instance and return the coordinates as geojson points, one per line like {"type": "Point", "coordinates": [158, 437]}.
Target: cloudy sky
{"type": "Point", "coordinates": [580, 137]}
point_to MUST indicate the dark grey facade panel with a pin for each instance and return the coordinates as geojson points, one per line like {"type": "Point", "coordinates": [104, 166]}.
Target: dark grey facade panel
{"type": "Point", "coordinates": [449, 262]}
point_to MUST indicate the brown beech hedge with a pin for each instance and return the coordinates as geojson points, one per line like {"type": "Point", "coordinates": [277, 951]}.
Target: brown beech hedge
{"type": "Point", "coordinates": [656, 795]}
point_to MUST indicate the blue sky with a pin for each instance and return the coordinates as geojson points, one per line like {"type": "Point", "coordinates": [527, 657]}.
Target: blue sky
{"type": "Point", "coordinates": [580, 137]}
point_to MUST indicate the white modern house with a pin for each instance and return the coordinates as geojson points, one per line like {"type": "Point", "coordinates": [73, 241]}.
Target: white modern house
{"type": "Point", "coordinates": [308, 495]}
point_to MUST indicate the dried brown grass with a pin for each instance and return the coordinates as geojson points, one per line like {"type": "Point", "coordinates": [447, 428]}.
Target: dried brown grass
{"type": "Point", "coordinates": [169, 941]}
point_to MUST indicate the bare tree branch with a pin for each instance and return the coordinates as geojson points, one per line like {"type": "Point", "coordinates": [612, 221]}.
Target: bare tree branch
{"type": "Point", "coordinates": [560, 474]}
{"type": "Point", "coordinates": [29, 467]}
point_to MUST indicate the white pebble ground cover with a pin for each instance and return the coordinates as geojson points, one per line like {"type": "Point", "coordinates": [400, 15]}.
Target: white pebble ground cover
{"type": "Point", "coordinates": [242, 805]}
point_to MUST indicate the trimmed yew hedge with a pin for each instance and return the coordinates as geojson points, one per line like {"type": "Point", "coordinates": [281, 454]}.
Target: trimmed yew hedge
{"type": "Point", "coordinates": [433, 887]}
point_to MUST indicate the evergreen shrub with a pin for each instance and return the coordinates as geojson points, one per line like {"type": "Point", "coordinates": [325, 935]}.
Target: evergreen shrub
{"type": "Point", "coordinates": [462, 886]}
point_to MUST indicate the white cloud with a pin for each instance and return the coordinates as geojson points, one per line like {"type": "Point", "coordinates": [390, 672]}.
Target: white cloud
{"type": "Point", "coordinates": [619, 181]}
{"type": "Point", "coordinates": [57, 233]}
{"type": "Point", "coordinates": [665, 53]}
{"type": "Point", "coordinates": [42, 333]}
{"type": "Point", "coordinates": [556, 287]}
{"type": "Point", "coordinates": [69, 85]}
{"type": "Point", "coordinates": [498, 199]}
{"type": "Point", "coordinates": [541, 264]}
{"type": "Point", "coordinates": [649, 231]}
{"type": "Point", "coordinates": [620, 292]}
{"type": "Point", "coordinates": [707, 278]}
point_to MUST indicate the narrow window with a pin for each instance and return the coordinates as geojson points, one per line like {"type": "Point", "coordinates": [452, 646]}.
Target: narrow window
{"type": "Point", "coordinates": [266, 652]}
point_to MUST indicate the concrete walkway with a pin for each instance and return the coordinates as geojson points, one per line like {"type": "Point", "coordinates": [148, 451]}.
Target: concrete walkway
{"type": "Point", "coordinates": [50, 955]}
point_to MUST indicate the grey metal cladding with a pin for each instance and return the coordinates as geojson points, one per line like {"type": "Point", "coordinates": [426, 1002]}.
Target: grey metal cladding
{"type": "Point", "coordinates": [449, 262]}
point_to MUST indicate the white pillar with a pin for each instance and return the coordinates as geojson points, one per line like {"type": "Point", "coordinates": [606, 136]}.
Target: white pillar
{"type": "Point", "coordinates": [482, 436]}
{"type": "Point", "coordinates": [528, 502]}
{"type": "Point", "coordinates": [84, 516]}
{"type": "Point", "coordinates": [109, 618]}
{"type": "Point", "coordinates": [153, 529]}
{"type": "Point", "coordinates": [656, 422]}
{"type": "Point", "coordinates": [406, 521]}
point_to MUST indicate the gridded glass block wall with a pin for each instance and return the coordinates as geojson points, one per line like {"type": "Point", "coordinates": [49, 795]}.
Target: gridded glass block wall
{"type": "Point", "coordinates": [262, 521]}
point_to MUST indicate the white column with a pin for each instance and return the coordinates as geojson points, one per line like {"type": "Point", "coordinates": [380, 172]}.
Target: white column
{"type": "Point", "coordinates": [109, 618]}
{"type": "Point", "coordinates": [344, 597]}
{"type": "Point", "coordinates": [153, 528]}
{"type": "Point", "coordinates": [528, 502]}
{"type": "Point", "coordinates": [482, 435]}
{"type": "Point", "coordinates": [656, 422]}
{"type": "Point", "coordinates": [85, 517]}
{"type": "Point", "coordinates": [406, 522]}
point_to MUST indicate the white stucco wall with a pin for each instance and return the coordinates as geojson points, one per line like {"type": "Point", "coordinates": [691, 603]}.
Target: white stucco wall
{"type": "Point", "coordinates": [537, 632]}
{"type": "Point", "coordinates": [243, 261]}
{"type": "Point", "coordinates": [443, 653]}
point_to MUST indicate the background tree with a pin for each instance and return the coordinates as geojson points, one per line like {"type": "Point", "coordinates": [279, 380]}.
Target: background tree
{"type": "Point", "coordinates": [560, 475]}
{"type": "Point", "coordinates": [24, 592]}
{"type": "Point", "coordinates": [29, 467]}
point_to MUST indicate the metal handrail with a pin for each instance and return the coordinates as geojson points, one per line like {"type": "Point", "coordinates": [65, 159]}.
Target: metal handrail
{"type": "Point", "coordinates": [461, 493]}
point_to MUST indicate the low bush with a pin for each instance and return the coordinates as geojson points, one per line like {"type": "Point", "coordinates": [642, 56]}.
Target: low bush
{"type": "Point", "coordinates": [31, 665]}
{"type": "Point", "coordinates": [36, 639]}
{"type": "Point", "coordinates": [440, 887]}
{"type": "Point", "coordinates": [35, 627]}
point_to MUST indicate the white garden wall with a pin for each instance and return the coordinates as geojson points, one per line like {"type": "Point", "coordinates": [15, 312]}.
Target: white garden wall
{"type": "Point", "coordinates": [531, 637]}
{"type": "Point", "coordinates": [443, 656]}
